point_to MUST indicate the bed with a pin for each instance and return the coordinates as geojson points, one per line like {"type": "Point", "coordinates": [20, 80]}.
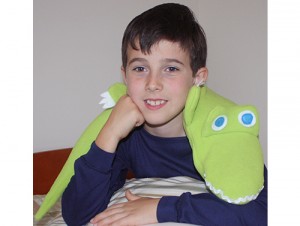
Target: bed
{"type": "Point", "coordinates": [47, 165]}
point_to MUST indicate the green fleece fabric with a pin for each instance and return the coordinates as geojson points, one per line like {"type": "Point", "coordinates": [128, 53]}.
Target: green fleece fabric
{"type": "Point", "coordinates": [226, 150]}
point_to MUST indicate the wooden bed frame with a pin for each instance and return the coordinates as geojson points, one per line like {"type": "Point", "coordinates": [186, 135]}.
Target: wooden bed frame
{"type": "Point", "coordinates": [46, 167]}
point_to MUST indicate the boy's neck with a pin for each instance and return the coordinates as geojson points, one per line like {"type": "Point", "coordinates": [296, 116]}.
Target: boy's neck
{"type": "Point", "coordinates": [170, 129]}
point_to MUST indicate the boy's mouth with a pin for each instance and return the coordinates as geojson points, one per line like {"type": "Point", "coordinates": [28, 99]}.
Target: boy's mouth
{"type": "Point", "coordinates": [155, 103]}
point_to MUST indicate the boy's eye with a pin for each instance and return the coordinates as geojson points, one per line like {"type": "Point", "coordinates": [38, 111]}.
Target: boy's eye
{"type": "Point", "coordinates": [171, 69]}
{"type": "Point", "coordinates": [139, 69]}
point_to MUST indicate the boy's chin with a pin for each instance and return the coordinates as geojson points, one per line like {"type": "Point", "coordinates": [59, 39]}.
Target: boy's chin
{"type": "Point", "coordinates": [154, 123]}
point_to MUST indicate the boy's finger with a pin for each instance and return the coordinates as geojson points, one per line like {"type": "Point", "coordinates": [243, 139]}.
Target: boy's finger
{"type": "Point", "coordinates": [130, 196]}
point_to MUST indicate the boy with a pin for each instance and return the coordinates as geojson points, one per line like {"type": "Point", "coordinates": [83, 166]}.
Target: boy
{"type": "Point", "coordinates": [164, 55]}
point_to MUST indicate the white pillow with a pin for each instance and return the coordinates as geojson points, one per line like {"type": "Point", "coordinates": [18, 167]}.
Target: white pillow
{"type": "Point", "coordinates": [146, 187]}
{"type": "Point", "coordinates": [158, 187]}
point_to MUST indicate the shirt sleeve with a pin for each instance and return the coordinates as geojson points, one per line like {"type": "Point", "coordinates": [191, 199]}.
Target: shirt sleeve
{"type": "Point", "coordinates": [98, 174]}
{"type": "Point", "coordinates": [207, 209]}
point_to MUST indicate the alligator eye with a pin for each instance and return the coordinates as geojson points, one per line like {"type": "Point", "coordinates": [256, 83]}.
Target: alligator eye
{"type": "Point", "coordinates": [219, 123]}
{"type": "Point", "coordinates": [247, 118]}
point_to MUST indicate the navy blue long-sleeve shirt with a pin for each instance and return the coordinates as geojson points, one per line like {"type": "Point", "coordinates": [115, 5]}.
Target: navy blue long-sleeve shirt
{"type": "Point", "coordinates": [98, 174]}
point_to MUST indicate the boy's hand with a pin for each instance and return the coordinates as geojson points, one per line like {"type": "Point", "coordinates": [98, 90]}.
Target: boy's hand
{"type": "Point", "coordinates": [137, 211]}
{"type": "Point", "coordinates": [124, 117]}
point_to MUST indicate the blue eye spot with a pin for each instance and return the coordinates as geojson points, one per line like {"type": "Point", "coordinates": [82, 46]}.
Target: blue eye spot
{"type": "Point", "coordinates": [247, 118]}
{"type": "Point", "coordinates": [219, 123]}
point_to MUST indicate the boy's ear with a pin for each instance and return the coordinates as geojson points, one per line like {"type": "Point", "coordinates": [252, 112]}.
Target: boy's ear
{"type": "Point", "coordinates": [201, 76]}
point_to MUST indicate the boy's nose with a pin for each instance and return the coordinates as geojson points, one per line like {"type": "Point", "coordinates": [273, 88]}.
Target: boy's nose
{"type": "Point", "coordinates": [153, 83]}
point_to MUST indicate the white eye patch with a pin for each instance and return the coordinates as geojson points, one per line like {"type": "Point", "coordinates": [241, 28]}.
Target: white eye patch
{"type": "Point", "coordinates": [219, 123]}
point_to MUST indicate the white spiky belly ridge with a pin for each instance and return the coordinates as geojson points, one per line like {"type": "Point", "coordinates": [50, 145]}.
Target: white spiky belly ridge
{"type": "Point", "coordinates": [240, 200]}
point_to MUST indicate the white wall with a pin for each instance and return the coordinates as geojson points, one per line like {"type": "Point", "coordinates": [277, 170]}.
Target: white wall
{"type": "Point", "coordinates": [77, 56]}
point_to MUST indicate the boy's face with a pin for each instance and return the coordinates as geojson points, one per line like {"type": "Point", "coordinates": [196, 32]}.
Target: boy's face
{"type": "Point", "coordinates": [159, 82]}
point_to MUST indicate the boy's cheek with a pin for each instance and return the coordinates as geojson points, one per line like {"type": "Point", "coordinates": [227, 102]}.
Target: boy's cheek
{"type": "Point", "coordinates": [129, 92]}
{"type": "Point", "coordinates": [133, 89]}
{"type": "Point", "coordinates": [132, 94]}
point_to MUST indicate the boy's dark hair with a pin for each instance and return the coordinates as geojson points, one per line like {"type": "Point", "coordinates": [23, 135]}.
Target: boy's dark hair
{"type": "Point", "coordinates": [172, 22]}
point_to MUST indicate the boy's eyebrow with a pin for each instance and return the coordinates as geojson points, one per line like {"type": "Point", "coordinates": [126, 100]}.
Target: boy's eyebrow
{"type": "Point", "coordinates": [166, 60]}
{"type": "Point", "coordinates": [171, 60]}
{"type": "Point", "coordinates": [137, 59]}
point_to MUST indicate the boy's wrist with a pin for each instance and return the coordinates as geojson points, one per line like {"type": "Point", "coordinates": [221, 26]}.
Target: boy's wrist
{"type": "Point", "coordinates": [107, 141]}
{"type": "Point", "coordinates": [166, 209]}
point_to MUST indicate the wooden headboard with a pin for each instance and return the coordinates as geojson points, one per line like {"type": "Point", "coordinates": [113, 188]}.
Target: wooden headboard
{"type": "Point", "coordinates": [46, 167]}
